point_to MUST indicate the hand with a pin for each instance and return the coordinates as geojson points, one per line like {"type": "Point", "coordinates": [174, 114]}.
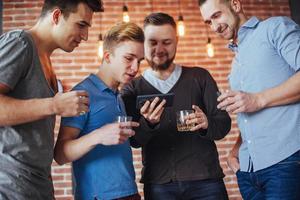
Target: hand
{"type": "Point", "coordinates": [237, 102]}
{"type": "Point", "coordinates": [72, 103]}
{"type": "Point", "coordinates": [198, 118]}
{"type": "Point", "coordinates": [233, 162]}
{"type": "Point", "coordinates": [151, 112]}
{"type": "Point", "coordinates": [115, 133]}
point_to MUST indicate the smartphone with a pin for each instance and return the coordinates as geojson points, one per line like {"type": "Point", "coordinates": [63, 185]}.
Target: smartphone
{"type": "Point", "coordinates": [141, 99]}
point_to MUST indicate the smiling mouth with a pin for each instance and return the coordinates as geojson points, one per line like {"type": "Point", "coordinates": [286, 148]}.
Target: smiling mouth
{"type": "Point", "coordinates": [130, 75]}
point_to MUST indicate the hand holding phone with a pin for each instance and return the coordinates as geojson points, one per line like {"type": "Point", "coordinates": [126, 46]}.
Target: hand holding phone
{"type": "Point", "coordinates": [152, 106]}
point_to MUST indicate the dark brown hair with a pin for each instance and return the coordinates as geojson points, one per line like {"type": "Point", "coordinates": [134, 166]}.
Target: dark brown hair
{"type": "Point", "coordinates": [158, 19]}
{"type": "Point", "coordinates": [70, 6]}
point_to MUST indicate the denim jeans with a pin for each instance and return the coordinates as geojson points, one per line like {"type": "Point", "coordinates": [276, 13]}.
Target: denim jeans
{"type": "Point", "coordinates": [278, 182]}
{"type": "Point", "coordinates": [213, 189]}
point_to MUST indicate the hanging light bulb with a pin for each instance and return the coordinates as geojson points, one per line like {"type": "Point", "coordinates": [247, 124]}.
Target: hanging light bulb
{"type": "Point", "coordinates": [100, 46]}
{"type": "Point", "coordinates": [180, 26]}
{"type": "Point", "coordinates": [210, 48]}
{"type": "Point", "coordinates": [126, 17]}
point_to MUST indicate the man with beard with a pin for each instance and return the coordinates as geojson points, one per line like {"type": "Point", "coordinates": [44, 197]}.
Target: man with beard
{"type": "Point", "coordinates": [265, 83]}
{"type": "Point", "coordinates": [176, 165]}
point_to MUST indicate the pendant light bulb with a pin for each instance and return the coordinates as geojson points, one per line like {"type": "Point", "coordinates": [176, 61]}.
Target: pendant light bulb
{"type": "Point", "coordinates": [126, 17]}
{"type": "Point", "coordinates": [100, 46]}
{"type": "Point", "coordinates": [180, 26]}
{"type": "Point", "coordinates": [210, 48]}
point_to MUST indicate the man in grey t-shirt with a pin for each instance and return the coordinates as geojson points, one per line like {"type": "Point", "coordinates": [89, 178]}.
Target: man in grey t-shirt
{"type": "Point", "coordinates": [29, 100]}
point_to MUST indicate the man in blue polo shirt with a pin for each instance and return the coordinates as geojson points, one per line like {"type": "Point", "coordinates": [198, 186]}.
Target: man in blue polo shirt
{"type": "Point", "coordinates": [265, 83]}
{"type": "Point", "coordinates": [98, 146]}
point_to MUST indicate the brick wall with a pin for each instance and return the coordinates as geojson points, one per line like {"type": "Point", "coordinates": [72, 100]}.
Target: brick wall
{"type": "Point", "coordinates": [73, 67]}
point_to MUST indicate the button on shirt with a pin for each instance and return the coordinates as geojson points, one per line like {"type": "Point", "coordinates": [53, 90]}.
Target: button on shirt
{"type": "Point", "coordinates": [106, 172]}
{"type": "Point", "coordinates": [267, 55]}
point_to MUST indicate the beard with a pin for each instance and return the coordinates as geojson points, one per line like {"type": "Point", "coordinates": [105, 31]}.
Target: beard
{"type": "Point", "coordinates": [162, 66]}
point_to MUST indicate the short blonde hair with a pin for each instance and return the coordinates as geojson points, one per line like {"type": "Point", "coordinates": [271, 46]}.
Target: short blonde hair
{"type": "Point", "coordinates": [120, 32]}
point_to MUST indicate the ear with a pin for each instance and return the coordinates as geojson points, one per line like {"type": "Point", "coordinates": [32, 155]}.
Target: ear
{"type": "Point", "coordinates": [106, 56]}
{"type": "Point", "coordinates": [236, 5]}
{"type": "Point", "coordinates": [56, 15]}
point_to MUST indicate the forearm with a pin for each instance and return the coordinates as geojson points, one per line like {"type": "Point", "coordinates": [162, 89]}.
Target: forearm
{"type": "Point", "coordinates": [15, 111]}
{"type": "Point", "coordinates": [235, 150]}
{"type": "Point", "coordinates": [218, 126]}
{"type": "Point", "coordinates": [286, 93]}
{"type": "Point", "coordinates": [70, 150]}
{"type": "Point", "coordinates": [143, 133]}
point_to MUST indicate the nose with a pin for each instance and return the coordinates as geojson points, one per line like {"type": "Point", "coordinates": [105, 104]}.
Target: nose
{"type": "Point", "coordinates": [85, 34]}
{"type": "Point", "coordinates": [159, 48]}
{"type": "Point", "coordinates": [135, 66]}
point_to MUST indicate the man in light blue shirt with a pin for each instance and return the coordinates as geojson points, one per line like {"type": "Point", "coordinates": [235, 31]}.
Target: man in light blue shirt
{"type": "Point", "coordinates": [265, 83]}
{"type": "Point", "coordinates": [96, 144]}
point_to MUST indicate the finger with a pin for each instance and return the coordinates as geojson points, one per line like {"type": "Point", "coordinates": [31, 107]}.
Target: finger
{"type": "Point", "coordinates": [197, 127]}
{"type": "Point", "coordinates": [239, 110]}
{"type": "Point", "coordinates": [82, 93]}
{"type": "Point", "coordinates": [160, 111]}
{"type": "Point", "coordinates": [226, 102]}
{"type": "Point", "coordinates": [122, 139]}
{"type": "Point", "coordinates": [234, 106]}
{"type": "Point", "coordinates": [83, 107]}
{"type": "Point", "coordinates": [159, 108]}
{"type": "Point", "coordinates": [84, 100]}
{"type": "Point", "coordinates": [202, 125]}
{"type": "Point", "coordinates": [197, 109]}
{"type": "Point", "coordinates": [153, 104]}
{"type": "Point", "coordinates": [128, 124]}
{"type": "Point", "coordinates": [226, 94]}
{"type": "Point", "coordinates": [134, 124]}
{"type": "Point", "coordinates": [126, 133]}
{"type": "Point", "coordinates": [145, 107]}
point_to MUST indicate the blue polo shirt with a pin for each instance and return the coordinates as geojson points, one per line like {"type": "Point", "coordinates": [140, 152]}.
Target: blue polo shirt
{"type": "Point", "coordinates": [268, 53]}
{"type": "Point", "coordinates": [106, 172]}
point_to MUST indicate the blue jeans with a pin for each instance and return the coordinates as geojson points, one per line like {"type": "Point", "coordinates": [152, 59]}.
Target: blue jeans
{"type": "Point", "coordinates": [278, 182]}
{"type": "Point", "coordinates": [213, 189]}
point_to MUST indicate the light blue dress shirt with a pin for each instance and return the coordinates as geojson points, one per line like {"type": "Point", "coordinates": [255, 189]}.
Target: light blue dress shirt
{"type": "Point", "coordinates": [105, 172]}
{"type": "Point", "coordinates": [268, 53]}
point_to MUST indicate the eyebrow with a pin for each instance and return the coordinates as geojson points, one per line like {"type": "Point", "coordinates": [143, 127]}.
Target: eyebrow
{"type": "Point", "coordinates": [212, 16]}
{"type": "Point", "coordinates": [131, 54]}
{"type": "Point", "coordinates": [163, 40]}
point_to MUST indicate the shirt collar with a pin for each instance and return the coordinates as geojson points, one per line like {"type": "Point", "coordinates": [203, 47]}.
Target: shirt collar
{"type": "Point", "coordinates": [100, 84]}
{"type": "Point", "coordinates": [249, 24]}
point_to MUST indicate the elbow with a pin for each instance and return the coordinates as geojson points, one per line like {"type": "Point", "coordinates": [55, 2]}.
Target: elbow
{"type": "Point", "coordinates": [59, 158]}
{"type": "Point", "coordinates": [60, 161]}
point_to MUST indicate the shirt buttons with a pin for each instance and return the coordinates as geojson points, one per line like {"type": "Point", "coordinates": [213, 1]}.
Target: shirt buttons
{"type": "Point", "coordinates": [249, 141]}
{"type": "Point", "coordinates": [245, 120]}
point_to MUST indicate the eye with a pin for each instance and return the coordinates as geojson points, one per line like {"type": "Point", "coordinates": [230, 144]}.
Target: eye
{"type": "Point", "coordinates": [167, 42]}
{"type": "Point", "coordinates": [129, 59]}
{"type": "Point", "coordinates": [208, 22]}
{"type": "Point", "coordinates": [152, 43]}
{"type": "Point", "coordinates": [216, 15]}
{"type": "Point", "coordinates": [81, 26]}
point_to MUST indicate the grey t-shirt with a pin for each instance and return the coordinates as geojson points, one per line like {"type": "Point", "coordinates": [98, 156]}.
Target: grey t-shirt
{"type": "Point", "coordinates": [26, 150]}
